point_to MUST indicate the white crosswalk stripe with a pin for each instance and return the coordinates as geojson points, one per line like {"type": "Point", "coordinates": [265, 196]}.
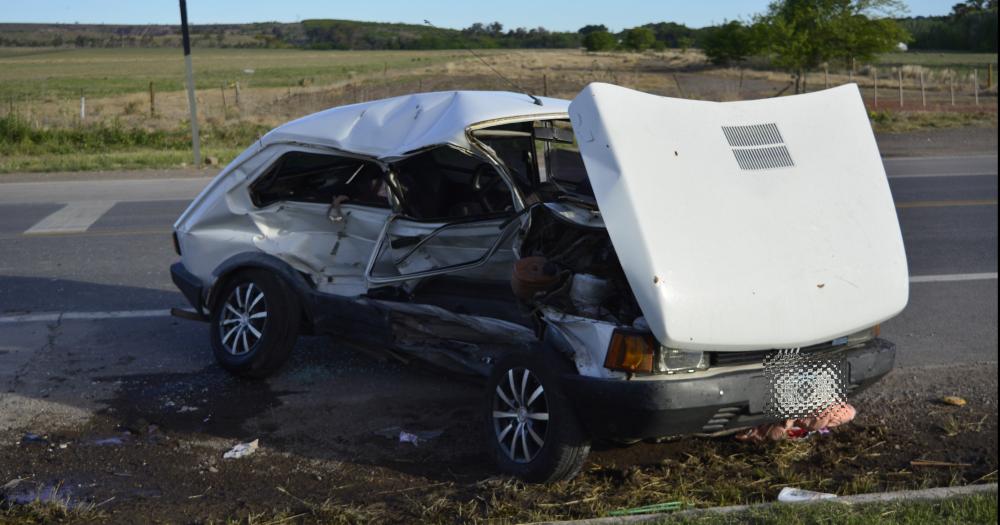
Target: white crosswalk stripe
{"type": "Point", "coordinates": [953, 277]}
{"type": "Point", "coordinates": [74, 217]}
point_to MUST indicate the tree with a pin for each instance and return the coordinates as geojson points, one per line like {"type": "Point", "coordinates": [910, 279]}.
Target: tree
{"type": "Point", "coordinates": [730, 43]}
{"type": "Point", "coordinates": [802, 34]}
{"type": "Point", "coordinates": [639, 38]}
{"type": "Point", "coordinates": [599, 41]}
{"type": "Point", "coordinates": [592, 28]}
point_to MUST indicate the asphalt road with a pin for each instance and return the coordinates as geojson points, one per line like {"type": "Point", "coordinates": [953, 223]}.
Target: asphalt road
{"type": "Point", "coordinates": [104, 246]}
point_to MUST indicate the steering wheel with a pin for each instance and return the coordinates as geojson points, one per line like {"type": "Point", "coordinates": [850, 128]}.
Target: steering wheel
{"type": "Point", "coordinates": [482, 188]}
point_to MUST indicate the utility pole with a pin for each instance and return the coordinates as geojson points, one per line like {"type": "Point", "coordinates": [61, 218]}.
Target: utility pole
{"type": "Point", "coordinates": [192, 103]}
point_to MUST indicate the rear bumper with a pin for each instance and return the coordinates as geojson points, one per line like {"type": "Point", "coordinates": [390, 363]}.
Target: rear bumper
{"type": "Point", "coordinates": [710, 403]}
{"type": "Point", "coordinates": [188, 284]}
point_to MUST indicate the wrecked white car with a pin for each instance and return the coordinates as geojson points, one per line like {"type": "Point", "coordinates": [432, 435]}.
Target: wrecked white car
{"type": "Point", "coordinates": [621, 266]}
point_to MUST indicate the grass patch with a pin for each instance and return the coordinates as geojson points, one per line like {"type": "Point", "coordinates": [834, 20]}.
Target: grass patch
{"type": "Point", "coordinates": [118, 160]}
{"type": "Point", "coordinates": [104, 146]}
{"type": "Point", "coordinates": [63, 73]}
{"type": "Point", "coordinates": [978, 508]}
{"type": "Point", "coordinates": [888, 121]}
{"type": "Point", "coordinates": [938, 59]}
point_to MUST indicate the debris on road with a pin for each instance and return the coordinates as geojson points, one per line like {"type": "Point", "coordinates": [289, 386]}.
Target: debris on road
{"type": "Point", "coordinates": [648, 509]}
{"type": "Point", "coordinates": [242, 450]}
{"type": "Point", "coordinates": [793, 495]}
{"type": "Point", "coordinates": [34, 439]}
{"type": "Point", "coordinates": [833, 416]}
{"type": "Point", "coordinates": [953, 400]}
{"type": "Point", "coordinates": [932, 463]}
{"type": "Point", "coordinates": [113, 441]}
{"type": "Point", "coordinates": [415, 437]}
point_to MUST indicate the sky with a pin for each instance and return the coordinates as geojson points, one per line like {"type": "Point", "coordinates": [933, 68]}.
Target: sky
{"type": "Point", "coordinates": [562, 15]}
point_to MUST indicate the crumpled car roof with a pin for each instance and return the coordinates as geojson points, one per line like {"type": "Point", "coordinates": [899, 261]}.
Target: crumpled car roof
{"type": "Point", "coordinates": [395, 127]}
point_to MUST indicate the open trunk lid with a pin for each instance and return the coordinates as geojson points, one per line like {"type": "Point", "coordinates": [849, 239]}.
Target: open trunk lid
{"type": "Point", "coordinates": [745, 225]}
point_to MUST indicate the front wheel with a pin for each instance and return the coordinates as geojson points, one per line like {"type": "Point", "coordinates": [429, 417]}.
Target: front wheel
{"type": "Point", "coordinates": [532, 429]}
{"type": "Point", "coordinates": [254, 323]}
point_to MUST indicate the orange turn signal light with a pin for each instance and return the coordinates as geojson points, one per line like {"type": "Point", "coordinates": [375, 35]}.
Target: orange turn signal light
{"type": "Point", "coordinates": [631, 352]}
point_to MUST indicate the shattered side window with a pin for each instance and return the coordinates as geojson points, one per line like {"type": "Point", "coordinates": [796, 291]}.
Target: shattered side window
{"type": "Point", "coordinates": [516, 152]}
{"type": "Point", "coordinates": [447, 184]}
{"type": "Point", "coordinates": [562, 163]}
{"type": "Point", "coordinates": [316, 177]}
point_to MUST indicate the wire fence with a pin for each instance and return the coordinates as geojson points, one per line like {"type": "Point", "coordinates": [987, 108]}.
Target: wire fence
{"type": "Point", "coordinates": [905, 87]}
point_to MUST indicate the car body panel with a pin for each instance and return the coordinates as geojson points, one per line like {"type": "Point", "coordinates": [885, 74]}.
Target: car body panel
{"type": "Point", "coordinates": [399, 126]}
{"type": "Point", "coordinates": [725, 258]}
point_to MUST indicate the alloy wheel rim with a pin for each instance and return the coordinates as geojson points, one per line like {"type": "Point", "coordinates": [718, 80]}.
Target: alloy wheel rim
{"type": "Point", "coordinates": [244, 316]}
{"type": "Point", "coordinates": [520, 415]}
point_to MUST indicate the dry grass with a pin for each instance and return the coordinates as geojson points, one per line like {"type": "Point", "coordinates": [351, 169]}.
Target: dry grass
{"type": "Point", "coordinates": [280, 90]}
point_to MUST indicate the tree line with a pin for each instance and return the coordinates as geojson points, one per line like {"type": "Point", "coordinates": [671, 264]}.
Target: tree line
{"type": "Point", "coordinates": [796, 34]}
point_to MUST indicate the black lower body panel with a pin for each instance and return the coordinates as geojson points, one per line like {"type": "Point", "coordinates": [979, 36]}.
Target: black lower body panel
{"type": "Point", "coordinates": [700, 402]}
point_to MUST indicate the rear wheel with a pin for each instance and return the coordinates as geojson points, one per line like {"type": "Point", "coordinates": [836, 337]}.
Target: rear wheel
{"type": "Point", "coordinates": [254, 323]}
{"type": "Point", "coordinates": [532, 429]}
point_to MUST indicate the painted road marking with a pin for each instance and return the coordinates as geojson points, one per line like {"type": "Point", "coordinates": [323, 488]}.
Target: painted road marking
{"type": "Point", "coordinates": [98, 233]}
{"type": "Point", "coordinates": [930, 175]}
{"type": "Point", "coordinates": [75, 217]}
{"type": "Point", "coordinates": [946, 204]}
{"type": "Point", "coordinates": [952, 277]}
{"type": "Point", "coordinates": [51, 317]}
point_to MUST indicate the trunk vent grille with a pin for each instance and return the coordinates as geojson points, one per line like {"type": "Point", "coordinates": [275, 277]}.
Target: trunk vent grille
{"type": "Point", "coordinates": [758, 146]}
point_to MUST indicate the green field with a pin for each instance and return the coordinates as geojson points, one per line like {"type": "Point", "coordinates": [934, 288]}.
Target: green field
{"type": "Point", "coordinates": [39, 73]}
{"type": "Point", "coordinates": [939, 59]}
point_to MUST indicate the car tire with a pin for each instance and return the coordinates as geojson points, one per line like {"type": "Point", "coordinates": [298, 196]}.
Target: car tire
{"type": "Point", "coordinates": [522, 443]}
{"type": "Point", "coordinates": [254, 323]}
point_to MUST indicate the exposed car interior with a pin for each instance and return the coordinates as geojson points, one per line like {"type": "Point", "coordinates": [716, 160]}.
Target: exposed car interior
{"type": "Point", "coordinates": [302, 176]}
{"type": "Point", "coordinates": [445, 183]}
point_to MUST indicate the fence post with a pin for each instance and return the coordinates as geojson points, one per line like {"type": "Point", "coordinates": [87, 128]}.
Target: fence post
{"type": "Point", "coordinates": [989, 76]}
{"type": "Point", "coordinates": [826, 76]}
{"type": "Point", "coordinates": [850, 75]}
{"type": "Point", "coordinates": [875, 78]}
{"type": "Point", "coordinates": [237, 93]}
{"type": "Point", "coordinates": [545, 85]}
{"type": "Point", "coordinates": [222, 90]}
{"type": "Point", "coordinates": [900, 70]}
{"type": "Point", "coordinates": [152, 100]}
{"type": "Point", "coordinates": [975, 83]}
{"type": "Point", "coordinates": [923, 94]}
{"type": "Point", "coordinates": [83, 107]}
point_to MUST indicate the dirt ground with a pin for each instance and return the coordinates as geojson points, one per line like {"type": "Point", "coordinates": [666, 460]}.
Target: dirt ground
{"type": "Point", "coordinates": [328, 427]}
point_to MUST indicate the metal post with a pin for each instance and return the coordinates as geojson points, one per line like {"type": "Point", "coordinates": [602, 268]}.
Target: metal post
{"type": "Point", "coordinates": [152, 100]}
{"type": "Point", "coordinates": [192, 103]}
{"type": "Point", "coordinates": [83, 108]}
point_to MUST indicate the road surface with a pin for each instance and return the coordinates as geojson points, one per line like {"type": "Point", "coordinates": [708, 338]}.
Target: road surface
{"type": "Point", "coordinates": [85, 289]}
